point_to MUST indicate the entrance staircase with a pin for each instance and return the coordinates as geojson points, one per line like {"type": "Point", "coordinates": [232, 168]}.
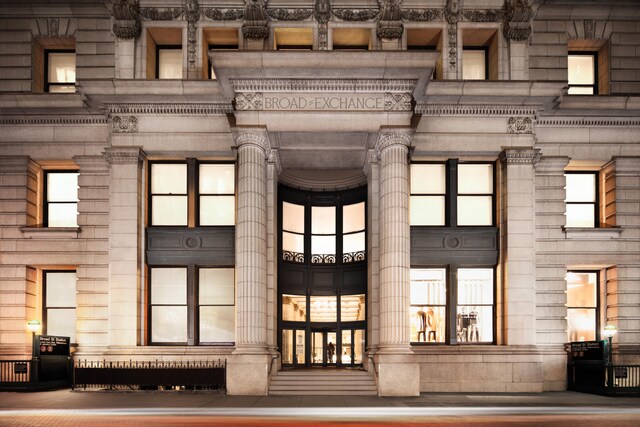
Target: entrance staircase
{"type": "Point", "coordinates": [323, 381]}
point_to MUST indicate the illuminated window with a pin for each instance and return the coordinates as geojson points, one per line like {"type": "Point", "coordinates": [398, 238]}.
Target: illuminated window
{"type": "Point", "coordinates": [293, 38]}
{"type": "Point", "coordinates": [581, 199]}
{"type": "Point", "coordinates": [61, 199]}
{"type": "Point", "coordinates": [474, 313]}
{"type": "Point", "coordinates": [474, 64]}
{"type": "Point", "coordinates": [428, 305]}
{"type": "Point", "coordinates": [323, 234]}
{"type": "Point", "coordinates": [164, 54]}
{"type": "Point", "coordinates": [60, 71]}
{"type": "Point", "coordinates": [475, 194]}
{"type": "Point", "coordinates": [59, 314]}
{"type": "Point", "coordinates": [169, 62]}
{"type": "Point", "coordinates": [582, 73]}
{"type": "Point", "coordinates": [351, 38]}
{"type": "Point", "coordinates": [428, 190]}
{"type": "Point", "coordinates": [582, 305]}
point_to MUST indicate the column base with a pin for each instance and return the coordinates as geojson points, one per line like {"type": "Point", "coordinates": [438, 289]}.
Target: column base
{"type": "Point", "coordinates": [248, 374]}
{"type": "Point", "coordinates": [398, 375]}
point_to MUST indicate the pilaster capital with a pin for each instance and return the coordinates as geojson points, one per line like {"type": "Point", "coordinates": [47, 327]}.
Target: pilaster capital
{"type": "Point", "coordinates": [521, 156]}
{"type": "Point", "coordinates": [125, 155]}
{"type": "Point", "coordinates": [552, 165]}
{"type": "Point", "coordinates": [257, 136]}
{"type": "Point", "coordinates": [274, 159]}
{"type": "Point", "coordinates": [92, 164]}
{"type": "Point", "coordinates": [371, 158]}
{"type": "Point", "coordinates": [393, 136]}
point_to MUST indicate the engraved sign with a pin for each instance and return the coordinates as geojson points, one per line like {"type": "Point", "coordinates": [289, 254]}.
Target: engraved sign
{"type": "Point", "coordinates": [323, 101]}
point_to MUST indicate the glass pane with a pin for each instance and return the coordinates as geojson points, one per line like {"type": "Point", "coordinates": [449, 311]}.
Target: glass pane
{"type": "Point", "coordinates": [352, 308]}
{"type": "Point", "coordinates": [581, 324]}
{"type": "Point", "coordinates": [62, 322]}
{"type": "Point", "coordinates": [217, 179]}
{"type": "Point", "coordinates": [169, 210]}
{"type": "Point", "coordinates": [428, 179]}
{"type": "Point", "coordinates": [317, 347]}
{"type": "Point", "coordinates": [62, 67]}
{"type": "Point", "coordinates": [293, 217]}
{"type": "Point", "coordinates": [426, 210]}
{"type": "Point", "coordinates": [580, 90]}
{"type": "Point", "coordinates": [217, 210]}
{"type": "Point", "coordinates": [582, 289]}
{"type": "Point", "coordinates": [170, 63]}
{"type": "Point", "coordinates": [427, 324]}
{"type": "Point", "coordinates": [475, 286]}
{"type": "Point", "coordinates": [323, 245]}
{"type": "Point", "coordinates": [475, 210]}
{"type": "Point", "coordinates": [300, 347]}
{"type": "Point", "coordinates": [294, 308]}
{"type": "Point", "coordinates": [580, 68]}
{"type": "Point", "coordinates": [168, 285]}
{"type": "Point", "coordinates": [581, 215]}
{"type": "Point", "coordinates": [324, 309]}
{"type": "Point", "coordinates": [473, 65]}
{"type": "Point", "coordinates": [474, 323]}
{"type": "Point", "coordinates": [359, 346]}
{"type": "Point", "coordinates": [62, 187]}
{"type": "Point", "coordinates": [347, 347]}
{"type": "Point", "coordinates": [61, 289]}
{"type": "Point", "coordinates": [353, 243]}
{"type": "Point", "coordinates": [217, 324]}
{"type": "Point", "coordinates": [287, 346]}
{"type": "Point", "coordinates": [292, 242]}
{"type": "Point", "coordinates": [216, 286]}
{"type": "Point", "coordinates": [62, 215]}
{"type": "Point", "coordinates": [580, 187]}
{"type": "Point", "coordinates": [332, 344]}
{"type": "Point", "coordinates": [168, 178]}
{"type": "Point", "coordinates": [428, 287]}
{"type": "Point", "coordinates": [353, 218]}
{"type": "Point", "coordinates": [323, 220]}
{"type": "Point", "coordinates": [169, 324]}
{"type": "Point", "coordinates": [62, 89]}
{"type": "Point", "coordinates": [475, 179]}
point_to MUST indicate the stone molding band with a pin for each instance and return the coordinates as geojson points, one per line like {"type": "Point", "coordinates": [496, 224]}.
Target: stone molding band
{"type": "Point", "coordinates": [475, 110]}
{"type": "Point", "coordinates": [520, 156]}
{"type": "Point", "coordinates": [170, 109]}
{"type": "Point", "coordinates": [323, 85]}
{"type": "Point", "coordinates": [125, 155]}
{"type": "Point", "coordinates": [54, 120]}
{"type": "Point", "coordinates": [587, 122]}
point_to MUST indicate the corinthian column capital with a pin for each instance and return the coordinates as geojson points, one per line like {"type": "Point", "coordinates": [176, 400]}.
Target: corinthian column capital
{"type": "Point", "coordinates": [393, 136]}
{"type": "Point", "coordinates": [256, 136]}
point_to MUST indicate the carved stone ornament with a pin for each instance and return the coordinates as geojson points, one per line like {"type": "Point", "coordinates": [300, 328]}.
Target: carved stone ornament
{"type": "Point", "coordinates": [390, 138]}
{"type": "Point", "coordinates": [255, 26]}
{"type": "Point", "coordinates": [289, 14]}
{"type": "Point", "coordinates": [192, 14]}
{"type": "Point", "coordinates": [124, 124]}
{"type": "Point", "coordinates": [248, 101]}
{"type": "Point", "coordinates": [257, 138]}
{"type": "Point", "coordinates": [453, 14]}
{"type": "Point", "coordinates": [516, 25]}
{"type": "Point", "coordinates": [223, 14]}
{"type": "Point", "coordinates": [491, 15]}
{"type": "Point", "coordinates": [422, 15]}
{"type": "Point", "coordinates": [453, 11]}
{"type": "Point", "coordinates": [124, 155]}
{"type": "Point", "coordinates": [126, 19]}
{"type": "Point", "coordinates": [356, 14]}
{"type": "Point", "coordinates": [322, 11]}
{"type": "Point", "coordinates": [398, 102]}
{"type": "Point", "coordinates": [390, 24]}
{"type": "Point", "coordinates": [589, 29]}
{"type": "Point", "coordinates": [519, 125]}
{"type": "Point", "coordinates": [161, 14]}
{"type": "Point", "coordinates": [54, 27]}
{"type": "Point", "coordinates": [520, 156]}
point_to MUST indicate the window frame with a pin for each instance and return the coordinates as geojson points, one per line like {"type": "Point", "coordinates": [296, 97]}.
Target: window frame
{"type": "Point", "coordinates": [47, 83]}
{"type": "Point", "coordinates": [597, 307]}
{"type": "Point", "coordinates": [160, 47]}
{"type": "Point", "coordinates": [596, 202]}
{"type": "Point", "coordinates": [485, 49]}
{"type": "Point", "coordinates": [493, 194]}
{"type": "Point", "coordinates": [594, 85]}
{"type": "Point", "coordinates": [198, 194]}
{"type": "Point", "coordinates": [151, 194]}
{"type": "Point", "coordinates": [45, 197]}
{"type": "Point", "coordinates": [447, 207]}
{"type": "Point", "coordinates": [197, 305]}
{"type": "Point", "coordinates": [45, 307]}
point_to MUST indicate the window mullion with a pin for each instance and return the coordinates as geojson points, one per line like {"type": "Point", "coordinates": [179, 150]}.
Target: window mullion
{"type": "Point", "coordinates": [191, 305]}
{"type": "Point", "coordinates": [451, 198]}
{"type": "Point", "coordinates": [452, 304]}
{"type": "Point", "coordinates": [192, 202]}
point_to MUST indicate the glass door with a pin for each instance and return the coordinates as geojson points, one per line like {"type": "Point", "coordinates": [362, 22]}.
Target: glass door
{"type": "Point", "coordinates": [352, 347]}
{"type": "Point", "coordinates": [324, 348]}
{"type": "Point", "coordinates": [293, 347]}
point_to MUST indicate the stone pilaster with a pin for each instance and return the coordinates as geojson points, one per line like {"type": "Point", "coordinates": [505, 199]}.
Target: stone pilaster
{"type": "Point", "coordinates": [518, 245]}
{"type": "Point", "coordinates": [126, 226]}
{"type": "Point", "coordinates": [399, 375]}
{"type": "Point", "coordinates": [248, 372]}
{"type": "Point", "coordinates": [273, 170]}
{"type": "Point", "coordinates": [372, 170]}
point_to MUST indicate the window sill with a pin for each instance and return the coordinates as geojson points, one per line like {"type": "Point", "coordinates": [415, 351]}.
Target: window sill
{"type": "Point", "coordinates": [588, 233]}
{"type": "Point", "coordinates": [51, 232]}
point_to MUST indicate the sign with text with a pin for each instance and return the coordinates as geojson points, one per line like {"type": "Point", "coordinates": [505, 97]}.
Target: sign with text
{"type": "Point", "coordinates": [49, 345]}
{"type": "Point", "coordinates": [277, 101]}
{"type": "Point", "coordinates": [587, 350]}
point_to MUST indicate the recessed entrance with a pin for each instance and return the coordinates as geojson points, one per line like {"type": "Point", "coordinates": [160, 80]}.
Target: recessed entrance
{"type": "Point", "coordinates": [322, 280]}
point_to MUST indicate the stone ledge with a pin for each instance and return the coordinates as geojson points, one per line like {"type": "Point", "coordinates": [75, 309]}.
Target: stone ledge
{"type": "Point", "coordinates": [582, 233]}
{"type": "Point", "coordinates": [51, 232]}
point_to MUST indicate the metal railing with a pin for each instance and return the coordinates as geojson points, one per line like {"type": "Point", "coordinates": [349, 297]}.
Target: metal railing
{"type": "Point", "coordinates": [16, 371]}
{"type": "Point", "coordinates": [601, 378]}
{"type": "Point", "coordinates": [623, 379]}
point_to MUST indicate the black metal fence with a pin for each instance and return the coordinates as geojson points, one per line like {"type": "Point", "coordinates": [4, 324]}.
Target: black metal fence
{"type": "Point", "coordinates": [623, 379]}
{"type": "Point", "coordinates": [151, 375]}
{"type": "Point", "coordinates": [600, 378]}
{"type": "Point", "coordinates": [35, 374]}
{"type": "Point", "coordinates": [15, 371]}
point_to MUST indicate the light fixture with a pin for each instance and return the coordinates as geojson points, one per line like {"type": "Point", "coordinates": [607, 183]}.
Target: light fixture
{"type": "Point", "coordinates": [33, 326]}
{"type": "Point", "coordinates": [609, 331]}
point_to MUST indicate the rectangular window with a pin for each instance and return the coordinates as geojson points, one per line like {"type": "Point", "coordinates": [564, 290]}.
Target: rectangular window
{"type": "Point", "coordinates": [475, 194]}
{"type": "Point", "coordinates": [293, 38]}
{"type": "Point", "coordinates": [351, 38]}
{"type": "Point", "coordinates": [169, 201]}
{"type": "Point", "coordinates": [60, 76]}
{"type": "Point", "coordinates": [474, 64]}
{"type": "Point", "coordinates": [582, 74]}
{"type": "Point", "coordinates": [474, 312]}
{"type": "Point", "coordinates": [59, 314]}
{"type": "Point", "coordinates": [428, 305]}
{"type": "Point", "coordinates": [582, 305]}
{"type": "Point", "coordinates": [168, 305]}
{"type": "Point", "coordinates": [216, 305]}
{"type": "Point", "coordinates": [428, 191]}
{"type": "Point", "coordinates": [169, 62]}
{"type": "Point", "coordinates": [217, 39]}
{"type": "Point", "coordinates": [61, 199]}
{"type": "Point", "coordinates": [581, 199]}
{"type": "Point", "coordinates": [216, 186]}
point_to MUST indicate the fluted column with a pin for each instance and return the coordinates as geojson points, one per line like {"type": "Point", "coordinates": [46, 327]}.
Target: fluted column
{"type": "Point", "coordinates": [251, 241]}
{"type": "Point", "coordinates": [393, 152]}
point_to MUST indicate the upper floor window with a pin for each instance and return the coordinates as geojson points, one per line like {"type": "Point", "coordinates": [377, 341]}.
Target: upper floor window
{"type": "Point", "coordinates": [582, 305]}
{"type": "Point", "coordinates": [191, 193]}
{"type": "Point", "coordinates": [351, 38]}
{"type": "Point", "coordinates": [452, 194]}
{"type": "Point", "coordinates": [474, 64]}
{"type": "Point", "coordinates": [581, 199]}
{"type": "Point", "coordinates": [582, 73]}
{"type": "Point", "coordinates": [293, 38]}
{"type": "Point", "coordinates": [169, 62]}
{"type": "Point", "coordinates": [61, 199]}
{"type": "Point", "coordinates": [480, 58]}
{"type": "Point", "coordinates": [59, 308]}
{"type": "Point", "coordinates": [60, 71]}
{"type": "Point", "coordinates": [217, 39]}
{"type": "Point", "coordinates": [164, 53]}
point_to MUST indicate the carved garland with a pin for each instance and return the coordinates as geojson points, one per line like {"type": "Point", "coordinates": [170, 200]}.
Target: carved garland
{"type": "Point", "coordinates": [519, 125]}
{"type": "Point", "coordinates": [223, 14]}
{"type": "Point", "coordinates": [124, 124]}
{"type": "Point", "coordinates": [290, 14]}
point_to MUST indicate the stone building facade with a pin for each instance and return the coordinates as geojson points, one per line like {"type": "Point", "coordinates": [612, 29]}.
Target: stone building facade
{"type": "Point", "coordinates": [416, 188]}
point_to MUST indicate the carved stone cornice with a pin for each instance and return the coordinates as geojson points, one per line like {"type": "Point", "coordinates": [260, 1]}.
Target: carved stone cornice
{"type": "Point", "coordinates": [389, 25]}
{"type": "Point", "coordinates": [54, 120]}
{"type": "Point", "coordinates": [422, 15]}
{"type": "Point", "coordinates": [520, 156]}
{"type": "Point", "coordinates": [520, 125]}
{"type": "Point", "coordinates": [356, 15]}
{"type": "Point", "coordinates": [181, 109]}
{"type": "Point", "coordinates": [125, 155]}
{"type": "Point", "coordinates": [588, 122]}
{"type": "Point", "coordinates": [453, 11]}
{"type": "Point", "coordinates": [124, 124]}
{"type": "Point", "coordinates": [398, 101]}
{"type": "Point", "coordinates": [475, 110]}
{"type": "Point", "coordinates": [489, 15]}
{"type": "Point", "coordinates": [516, 25]}
{"type": "Point", "coordinates": [323, 85]}
{"type": "Point", "coordinates": [161, 14]}
{"type": "Point", "coordinates": [247, 101]}
{"type": "Point", "coordinates": [126, 19]}
{"type": "Point", "coordinates": [392, 137]}
{"type": "Point", "coordinates": [257, 137]}
{"type": "Point", "coordinates": [222, 14]}
{"type": "Point", "coordinates": [255, 25]}
{"type": "Point", "coordinates": [290, 14]}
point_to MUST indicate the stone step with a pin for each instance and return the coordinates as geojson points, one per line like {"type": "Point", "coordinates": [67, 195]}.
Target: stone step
{"type": "Point", "coordinates": [323, 382]}
{"type": "Point", "coordinates": [322, 393]}
{"type": "Point", "coordinates": [346, 387]}
{"type": "Point", "coordinates": [335, 384]}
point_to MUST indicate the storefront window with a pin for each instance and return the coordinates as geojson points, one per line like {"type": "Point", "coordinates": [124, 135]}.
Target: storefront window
{"type": "Point", "coordinates": [60, 304]}
{"type": "Point", "coordinates": [582, 305]}
{"type": "Point", "coordinates": [216, 190]}
{"type": "Point", "coordinates": [169, 194]}
{"type": "Point", "coordinates": [352, 308]}
{"type": "Point", "coordinates": [323, 238]}
{"type": "Point", "coordinates": [168, 305]}
{"type": "Point", "coordinates": [353, 238]}
{"type": "Point", "coordinates": [292, 232]}
{"type": "Point", "coordinates": [428, 305]}
{"type": "Point", "coordinates": [474, 314]}
{"type": "Point", "coordinates": [324, 309]}
{"type": "Point", "coordinates": [294, 308]}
